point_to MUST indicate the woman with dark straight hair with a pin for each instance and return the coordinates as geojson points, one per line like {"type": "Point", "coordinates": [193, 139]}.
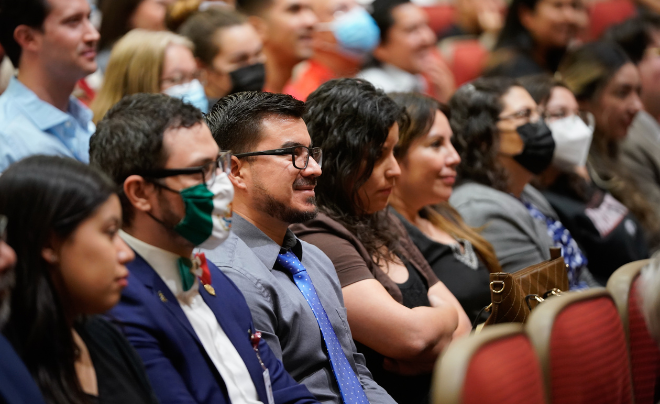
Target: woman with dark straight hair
{"type": "Point", "coordinates": [535, 36]}
{"type": "Point", "coordinates": [64, 219]}
{"type": "Point", "coordinates": [458, 255]}
{"type": "Point", "coordinates": [399, 313]}
{"type": "Point", "coordinates": [606, 83]}
{"type": "Point", "coordinates": [607, 231]}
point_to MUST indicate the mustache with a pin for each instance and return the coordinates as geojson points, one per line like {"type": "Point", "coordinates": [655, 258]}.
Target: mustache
{"type": "Point", "coordinates": [304, 182]}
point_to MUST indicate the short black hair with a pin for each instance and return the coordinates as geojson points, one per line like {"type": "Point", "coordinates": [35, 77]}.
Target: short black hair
{"type": "Point", "coordinates": [381, 11]}
{"type": "Point", "coordinates": [253, 7]}
{"type": "Point", "coordinates": [635, 35]}
{"type": "Point", "coordinates": [19, 12]}
{"type": "Point", "coordinates": [129, 139]}
{"type": "Point", "coordinates": [201, 27]}
{"type": "Point", "coordinates": [235, 120]}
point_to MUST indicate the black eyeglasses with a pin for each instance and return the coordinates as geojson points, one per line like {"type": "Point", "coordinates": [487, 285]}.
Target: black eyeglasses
{"type": "Point", "coordinates": [209, 170]}
{"type": "Point", "coordinates": [299, 155]}
{"type": "Point", "coordinates": [3, 228]}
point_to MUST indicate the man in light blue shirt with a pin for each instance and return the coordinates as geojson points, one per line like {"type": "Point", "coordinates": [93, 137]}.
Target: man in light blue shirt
{"type": "Point", "coordinates": [53, 43]}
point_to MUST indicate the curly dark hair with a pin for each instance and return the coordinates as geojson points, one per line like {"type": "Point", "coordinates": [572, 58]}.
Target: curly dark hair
{"type": "Point", "coordinates": [350, 120]}
{"type": "Point", "coordinates": [475, 108]}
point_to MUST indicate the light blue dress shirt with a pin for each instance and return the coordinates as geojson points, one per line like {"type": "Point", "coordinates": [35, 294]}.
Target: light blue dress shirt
{"type": "Point", "coordinates": [29, 125]}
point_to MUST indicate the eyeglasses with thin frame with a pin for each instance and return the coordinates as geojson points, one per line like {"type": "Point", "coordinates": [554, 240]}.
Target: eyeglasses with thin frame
{"type": "Point", "coordinates": [209, 171]}
{"type": "Point", "coordinates": [527, 114]}
{"type": "Point", "coordinates": [299, 155]}
{"type": "Point", "coordinates": [3, 228]}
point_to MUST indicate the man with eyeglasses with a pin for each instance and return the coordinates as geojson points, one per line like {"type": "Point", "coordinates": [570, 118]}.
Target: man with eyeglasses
{"type": "Point", "coordinates": [186, 319]}
{"type": "Point", "coordinates": [291, 286]}
{"type": "Point", "coordinates": [16, 383]}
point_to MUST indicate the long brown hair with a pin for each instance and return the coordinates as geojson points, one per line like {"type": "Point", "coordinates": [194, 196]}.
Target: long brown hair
{"type": "Point", "coordinates": [421, 111]}
{"type": "Point", "coordinates": [587, 71]}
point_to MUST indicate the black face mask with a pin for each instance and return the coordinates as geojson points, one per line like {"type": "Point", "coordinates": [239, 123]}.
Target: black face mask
{"type": "Point", "coordinates": [248, 78]}
{"type": "Point", "coordinates": [539, 147]}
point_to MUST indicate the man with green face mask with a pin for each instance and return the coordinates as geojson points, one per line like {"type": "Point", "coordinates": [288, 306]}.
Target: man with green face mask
{"type": "Point", "coordinates": [186, 319]}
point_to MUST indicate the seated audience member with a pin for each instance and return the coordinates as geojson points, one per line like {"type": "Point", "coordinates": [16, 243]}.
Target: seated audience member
{"type": "Point", "coordinates": [16, 383]}
{"type": "Point", "coordinates": [607, 84]}
{"type": "Point", "coordinates": [228, 50]}
{"type": "Point", "coordinates": [343, 40]}
{"type": "Point", "coordinates": [186, 319]}
{"type": "Point", "coordinates": [64, 219]}
{"type": "Point", "coordinates": [406, 52]}
{"type": "Point", "coordinates": [399, 313]}
{"type": "Point", "coordinates": [649, 286]}
{"type": "Point", "coordinates": [151, 62]}
{"type": "Point", "coordinates": [121, 16]}
{"type": "Point", "coordinates": [503, 144]}
{"type": "Point", "coordinates": [476, 18]}
{"type": "Point", "coordinates": [458, 255]}
{"type": "Point", "coordinates": [608, 233]}
{"type": "Point", "coordinates": [286, 29]}
{"type": "Point", "coordinates": [640, 151]}
{"type": "Point", "coordinates": [275, 169]}
{"type": "Point", "coordinates": [535, 36]}
{"type": "Point", "coordinates": [52, 42]}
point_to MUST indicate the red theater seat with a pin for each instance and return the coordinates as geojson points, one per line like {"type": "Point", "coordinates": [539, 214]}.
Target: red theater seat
{"type": "Point", "coordinates": [644, 353]}
{"type": "Point", "coordinates": [497, 365]}
{"type": "Point", "coordinates": [441, 16]}
{"type": "Point", "coordinates": [604, 14]}
{"type": "Point", "coordinates": [466, 59]}
{"type": "Point", "coordinates": [582, 348]}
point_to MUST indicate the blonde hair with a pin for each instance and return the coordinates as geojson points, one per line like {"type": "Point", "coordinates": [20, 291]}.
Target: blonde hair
{"type": "Point", "coordinates": [135, 66]}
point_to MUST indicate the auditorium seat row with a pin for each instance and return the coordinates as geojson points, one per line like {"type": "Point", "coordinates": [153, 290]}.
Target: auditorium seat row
{"type": "Point", "coordinates": [577, 348]}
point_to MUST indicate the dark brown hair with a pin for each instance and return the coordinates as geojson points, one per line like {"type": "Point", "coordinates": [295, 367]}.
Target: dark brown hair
{"type": "Point", "coordinates": [421, 111]}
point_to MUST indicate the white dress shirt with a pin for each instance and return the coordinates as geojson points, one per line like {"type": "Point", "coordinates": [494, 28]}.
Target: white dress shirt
{"type": "Point", "coordinates": [222, 352]}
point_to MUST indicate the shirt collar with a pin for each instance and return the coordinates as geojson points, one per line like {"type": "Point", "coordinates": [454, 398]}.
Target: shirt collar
{"type": "Point", "coordinates": [165, 263]}
{"type": "Point", "coordinates": [42, 114]}
{"type": "Point", "coordinates": [403, 78]}
{"type": "Point", "coordinates": [263, 246]}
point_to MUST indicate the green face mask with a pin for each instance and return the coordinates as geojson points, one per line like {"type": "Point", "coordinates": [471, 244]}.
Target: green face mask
{"type": "Point", "coordinates": [207, 221]}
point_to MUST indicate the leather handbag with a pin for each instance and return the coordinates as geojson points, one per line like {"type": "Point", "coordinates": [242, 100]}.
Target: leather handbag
{"type": "Point", "coordinates": [514, 295]}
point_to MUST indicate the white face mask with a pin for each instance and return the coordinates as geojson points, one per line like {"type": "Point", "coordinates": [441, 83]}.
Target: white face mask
{"type": "Point", "coordinates": [572, 140]}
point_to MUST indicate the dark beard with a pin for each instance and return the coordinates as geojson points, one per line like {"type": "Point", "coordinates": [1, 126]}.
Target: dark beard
{"type": "Point", "coordinates": [285, 213]}
{"type": "Point", "coordinates": [271, 206]}
{"type": "Point", "coordinates": [7, 282]}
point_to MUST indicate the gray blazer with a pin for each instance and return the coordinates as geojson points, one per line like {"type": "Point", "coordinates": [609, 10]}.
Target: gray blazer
{"type": "Point", "coordinates": [282, 314]}
{"type": "Point", "coordinates": [519, 240]}
{"type": "Point", "coordinates": [640, 153]}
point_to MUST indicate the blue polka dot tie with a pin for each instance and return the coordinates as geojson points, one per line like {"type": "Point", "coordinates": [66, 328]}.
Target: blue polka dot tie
{"type": "Point", "coordinates": [349, 385]}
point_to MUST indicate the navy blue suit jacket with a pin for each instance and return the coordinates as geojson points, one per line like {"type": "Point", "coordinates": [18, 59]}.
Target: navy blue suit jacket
{"type": "Point", "coordinates": [16, 383]}
{"type": "Point", "coordinates": [178, 366]}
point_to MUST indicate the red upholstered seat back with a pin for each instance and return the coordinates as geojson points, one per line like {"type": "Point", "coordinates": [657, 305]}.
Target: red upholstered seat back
{"type": "Point", "coordinates": [468, 60]}
{"type": "Point", "coordinates": [644, 353]}
{"type": "Point", "coordinates": [441, 16]}
{"type": "Point", "coordinates": [588, 355]}
{"type": "Point", "coordinates": [604, 14]}
{"type": "Point", "coordinates": [504, 371]}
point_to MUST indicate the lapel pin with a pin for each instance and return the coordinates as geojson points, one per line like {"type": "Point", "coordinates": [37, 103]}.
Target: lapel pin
{"type": "Point", "coordinates": [209, 289]}
{"type": "Point", "coordinates": [162, 297]}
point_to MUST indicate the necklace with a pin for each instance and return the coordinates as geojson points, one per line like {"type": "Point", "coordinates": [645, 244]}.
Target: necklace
{"type": "Point", "coordinates": [466, 254]}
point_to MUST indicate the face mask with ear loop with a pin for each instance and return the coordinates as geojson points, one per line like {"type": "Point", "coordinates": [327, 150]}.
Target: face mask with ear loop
{"type": "Point", "coordinates": [572, 138]}
{"type": "Point", "coordinates": [207, 220]}
{"type": "Point", "coordinates": [356, 32]}
{"type": "Point", "coordinates": [539, 147]}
